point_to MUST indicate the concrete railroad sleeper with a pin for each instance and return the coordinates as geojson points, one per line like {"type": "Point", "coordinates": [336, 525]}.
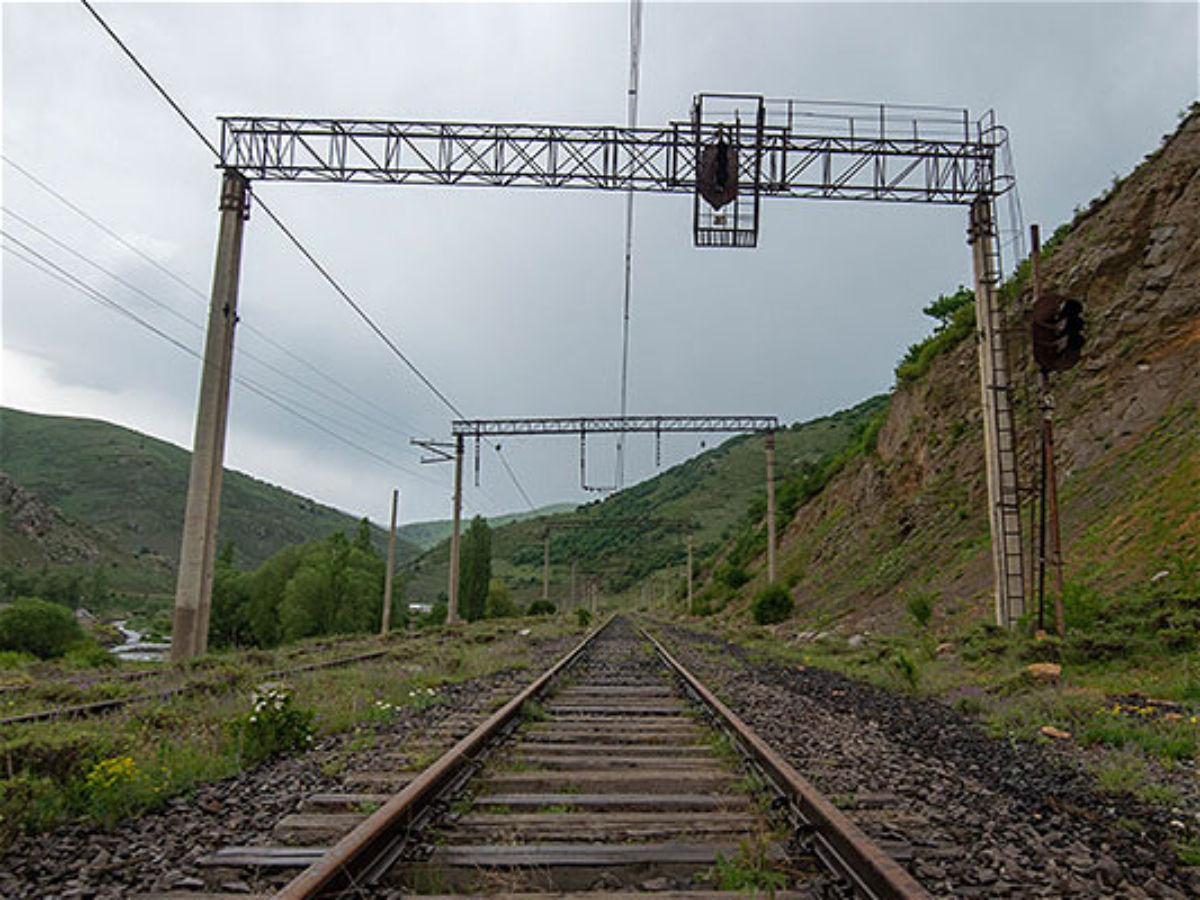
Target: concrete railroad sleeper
{"type": "Point", "coordinates": [599, 779]}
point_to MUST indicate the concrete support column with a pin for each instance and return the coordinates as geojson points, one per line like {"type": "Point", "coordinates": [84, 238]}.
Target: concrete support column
{"type": "Point", "coordinates": [386, 619]}
{"type": "Point", "coordinates": [198, 552]}
{"type": "Point", "coordinates": [452, 612]}
{"type": "Point", "coordinates": [999, 432]}
{"type": "Point", "coordinates": [770, 507]}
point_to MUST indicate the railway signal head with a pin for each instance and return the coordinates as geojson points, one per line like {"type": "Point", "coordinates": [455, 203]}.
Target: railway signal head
{"type": "Point", "coordinates": [1057, 333]}
{"type": "Point", "coordinates": [717, 179]}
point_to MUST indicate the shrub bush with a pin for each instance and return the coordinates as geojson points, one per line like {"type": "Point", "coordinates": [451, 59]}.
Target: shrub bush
{"type": "Point", "coordinates": [584, 617]}
{"type": "Point", "coordinates": [91, 655]}
{"type": "Point", "coordinates": [920, 607]}
{"type": "Point", "coordinates": [772, 604]}
{"type": "Point", "coordinates": [732, 576]}
{"type": "Point", "coordinates": [274, 724]}
{"type": "Point", "coordinates": [542, 608]}
{"type": "Point", "coordinates": [43, 629]}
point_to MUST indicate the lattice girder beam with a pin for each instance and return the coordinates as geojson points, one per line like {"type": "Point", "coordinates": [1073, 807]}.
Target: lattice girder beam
{"type": "Point", "coordinates": [937, 170]}
{"type": "Point", "coordinates": [477, 428]}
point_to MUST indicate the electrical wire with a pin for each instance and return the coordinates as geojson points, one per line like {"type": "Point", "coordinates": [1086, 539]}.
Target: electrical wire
{"type": "Point", "coordinates": [275, 219]}
{"type": "Point", "coordinates": [407, 429]}
{"type": "Point", "coordinates": [199, 327]}
{"type": "Point", "coordinates": [54, 270]}
{"type": "Point", "coordinates": [513, 476]}
{"type": "Point", "coordinates": [635, 58]}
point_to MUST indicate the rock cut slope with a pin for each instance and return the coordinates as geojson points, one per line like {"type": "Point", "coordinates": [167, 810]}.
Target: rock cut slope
{"type": "Point", "coordinates": [911, 515]}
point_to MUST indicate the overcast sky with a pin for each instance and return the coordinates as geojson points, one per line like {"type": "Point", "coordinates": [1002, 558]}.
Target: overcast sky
{"type": "Point", "coordinates": [510, 301]}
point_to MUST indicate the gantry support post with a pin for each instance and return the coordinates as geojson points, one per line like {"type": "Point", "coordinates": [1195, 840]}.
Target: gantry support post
{"type": "Point", "coordinates": [386, 618]}
{"type": "Point", "coordinates": [546, 565]}
{"type": "Point", "coordinates": [770, 507]}
{"type": "Point", "coordinates": [452, 611]}
{"type": "Point", "coordinates": [197, 555]}
{"type": "Point", "coordinates": [999, 434]}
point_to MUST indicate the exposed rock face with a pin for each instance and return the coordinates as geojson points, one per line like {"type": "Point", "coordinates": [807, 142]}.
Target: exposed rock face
{"type": "Point", "coordinates": [914, 513]}
{"type": "Point", "coordinates": [26, 514]}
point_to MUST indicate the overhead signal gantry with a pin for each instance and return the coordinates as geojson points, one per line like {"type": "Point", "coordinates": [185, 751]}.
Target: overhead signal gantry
{"type": "Point", "coordinates": [477, 429]}
{"type": "Point", "coordinates": [734, 151]}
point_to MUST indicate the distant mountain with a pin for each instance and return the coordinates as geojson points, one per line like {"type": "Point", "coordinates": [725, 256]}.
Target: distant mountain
{"type": "Point", "coordinates": [129, 489]}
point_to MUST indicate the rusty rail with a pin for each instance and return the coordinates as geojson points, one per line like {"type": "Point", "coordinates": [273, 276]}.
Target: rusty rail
{"type": "Point", "coordinates": [361, 850]}
{"type": "Point", "coordinates": [840, 843]}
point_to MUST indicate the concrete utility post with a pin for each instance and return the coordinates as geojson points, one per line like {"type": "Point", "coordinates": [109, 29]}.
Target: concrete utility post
{"type": "Point", "coordinates": [546, 566]}
{"type": "Point", "coordinates": [197, 555]}
{"type": "Point", "coordinates": [770, 507]}
{"type": "Point", "coordinates": [452, 611]}
{"type": "Point", "coordinates": [999, 434]}
{"type": "Point", "coordinates": [391, 566]}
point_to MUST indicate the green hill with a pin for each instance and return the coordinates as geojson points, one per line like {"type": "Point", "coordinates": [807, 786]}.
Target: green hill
{"type": "Point", "coordinates": [130, 489]}
{"type": "Point", "coordinates": [716, 491]}
{"type": "Point", "coordinates": [427, 535]}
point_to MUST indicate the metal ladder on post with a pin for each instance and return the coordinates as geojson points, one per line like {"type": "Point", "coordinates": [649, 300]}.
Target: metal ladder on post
{"type": "Point", "coordinates": [1000, 439]}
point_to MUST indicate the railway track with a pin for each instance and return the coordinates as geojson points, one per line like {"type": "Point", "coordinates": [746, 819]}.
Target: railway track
{"type": "Point", "coordinates": [615, 772]}
{"type": "Point", "coordinates": [166, 691]}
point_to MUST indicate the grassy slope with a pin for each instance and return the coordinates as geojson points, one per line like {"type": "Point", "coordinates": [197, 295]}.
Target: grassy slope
{"type": "Point", "coordinates": [713, 490]}
{"type": "Point", "coordinates": [427, 535]}
{"type": "Point", "coordinates": [132, 488]}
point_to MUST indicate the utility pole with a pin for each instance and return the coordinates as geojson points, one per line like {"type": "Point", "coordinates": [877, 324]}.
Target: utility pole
{"type": "Point", "coordinates": [546, 565]}
{"type": "Point", "coordinates": [1049, 477]}
{"type": "Point", "coordinates": [386, 619]}
{"type": "Point", "coordinates": [574, 582]}
{"type": "Point", "coordinates": [197, 555]}
{"type": "Point", "coordinates": [999, 434]}
{"type": "Point", "coordinates": [770, 507]}
{"type": "Point", "coordinates": [452, 611]}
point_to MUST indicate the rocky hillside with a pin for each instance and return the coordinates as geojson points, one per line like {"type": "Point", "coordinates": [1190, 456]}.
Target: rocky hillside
{"type": "Point", "coordinates": [910, 515]}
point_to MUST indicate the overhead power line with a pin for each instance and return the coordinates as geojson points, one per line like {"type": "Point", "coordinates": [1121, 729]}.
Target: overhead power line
{"type": "Point", "coordinates": [242, 353]}
{"type": "Point", "coordinates": [52, 269]}
{"type": "Point", "coordinates": [276, 220]}
{"type": "Point", "coordinates": [513, 476]}
{"type": "Point", "coordinates": [406, 428]}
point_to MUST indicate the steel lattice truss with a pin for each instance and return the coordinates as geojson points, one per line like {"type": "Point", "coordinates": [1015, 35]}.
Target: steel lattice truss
{"type": "Point", "coordinates": [832, 151]}
{"type": "Point", "coordinates": [621, 521]}
{"type": "Point", "coordinates": [479, 428]}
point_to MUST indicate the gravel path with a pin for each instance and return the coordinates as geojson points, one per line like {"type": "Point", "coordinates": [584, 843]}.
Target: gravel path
{"type": "Point", "coordinates": [158, 851]}
{"type": "Point", "coordinates": [984, 817]}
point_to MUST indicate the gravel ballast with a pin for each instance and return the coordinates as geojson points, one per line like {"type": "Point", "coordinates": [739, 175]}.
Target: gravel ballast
{"type": "Point", "coordinates": [976, 816]}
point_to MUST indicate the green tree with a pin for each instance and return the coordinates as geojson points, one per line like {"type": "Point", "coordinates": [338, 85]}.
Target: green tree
{"type": "Point", "coordinates": [946, 305]}
{"type": "Point", "coordinates": [46, 630]}
{"type": "Point", "coordinates": [475, 570]}
{"type": "Point", "coordinates": [362, 537]}
{"type": "Point", "coordinates": [336, 589]}
{"type": "Point", "coordinates": [230, 624]}
{"type": "Point", "coordinates": [267, 587]}
{"type": "Point", "coordinates": [500, 604]}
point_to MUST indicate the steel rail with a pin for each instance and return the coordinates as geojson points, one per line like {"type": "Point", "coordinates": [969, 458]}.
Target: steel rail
{"type": "Point", "coordinates": [358, 851]}
{"type": "Point", "coordinates": [840, 843]}
{"type": "Point", "coordinates": [99, 707]}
